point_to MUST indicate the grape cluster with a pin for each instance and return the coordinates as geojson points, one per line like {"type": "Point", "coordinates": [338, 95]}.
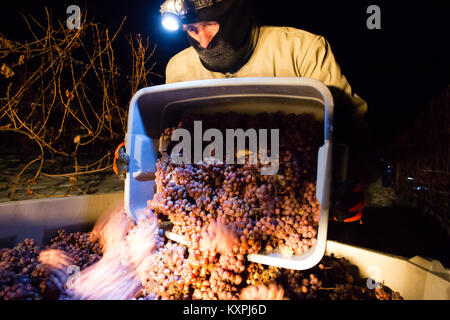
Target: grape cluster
{"type": "Point", "coordinates": [260, 274]}
{"type": "Point", "coordinates": [332, 279]}
{"type": "Point", "coordinates": [23, 276]}
{"type": "Point", "coordinates": [386, 293]}
{"type": "Point", "coordinates": [162, 274]}
{"type": "Point", "coordinates": [175, 271]}
{"type": "Point", "coordinates": [17, 277]}
{"type": "Point", "coordinates": [301, 285]}
{"type": "Point", "coordinates": [216, 205]}
{"type": "Point", "coordinates": [77, 245]}
{"type": "Point", "coordinates": [271, 291]}
{"type": "Point", "coordinates": [265, 211]}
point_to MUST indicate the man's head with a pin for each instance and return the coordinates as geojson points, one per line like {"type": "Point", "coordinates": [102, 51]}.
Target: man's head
{"type": "Point", "coordinates": [222, 32]}
{"type": "Point", "coordinates": [203, 32]}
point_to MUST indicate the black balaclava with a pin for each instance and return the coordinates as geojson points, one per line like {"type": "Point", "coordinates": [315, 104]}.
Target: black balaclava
{"type": "Point", "coordinates": [235, 41]}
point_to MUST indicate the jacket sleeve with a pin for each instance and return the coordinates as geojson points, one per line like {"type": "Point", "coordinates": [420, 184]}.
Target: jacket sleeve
{"type": "Point", "coordinates": [319, 63]}
{"type": "Point", "coordinates": [170, 71]}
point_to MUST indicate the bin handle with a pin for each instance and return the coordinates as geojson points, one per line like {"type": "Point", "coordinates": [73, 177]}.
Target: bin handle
{"type": "Point", "coordinates": [116, 156]}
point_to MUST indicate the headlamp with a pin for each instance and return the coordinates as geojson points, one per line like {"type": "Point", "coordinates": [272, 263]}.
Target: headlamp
{"type": "Point", "coordinates": [170, 21]}
{"type": "Point", "coordinates": [174, 11]}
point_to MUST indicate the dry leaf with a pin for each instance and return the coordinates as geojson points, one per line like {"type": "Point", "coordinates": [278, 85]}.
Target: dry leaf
{"type": "Point", "coordinates": [5, 43]}
{"type": "Point", "coordinates": [21, 60]}
{"type": "Point", "coordinates": [6, 71]}
{"type": "Point", "coordinates": [69, 94]}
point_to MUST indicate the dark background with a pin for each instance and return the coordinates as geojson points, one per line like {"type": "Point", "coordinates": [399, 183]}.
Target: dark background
{"type": "Point", "coordinates": [396, 70]}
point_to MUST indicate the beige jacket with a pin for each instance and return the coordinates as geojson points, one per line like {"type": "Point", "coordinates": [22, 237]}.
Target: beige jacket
{"type": "Point", "coordinates": [279, 52]}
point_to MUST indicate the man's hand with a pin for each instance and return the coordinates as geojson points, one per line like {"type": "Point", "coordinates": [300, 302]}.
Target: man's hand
{"type": "Point", "coordinates": [217, 237]}
{"type": "Point", "coordinates": [56, 264]}
{"type": "Point", "coordinates": [271, 291]}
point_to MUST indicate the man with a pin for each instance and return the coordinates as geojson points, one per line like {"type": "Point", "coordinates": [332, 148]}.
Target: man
{"type": "Point", "coordinates": [226, 42]}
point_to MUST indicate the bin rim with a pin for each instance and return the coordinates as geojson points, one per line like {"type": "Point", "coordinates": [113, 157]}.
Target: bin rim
{"type": "Point", "coordinates": [181, 92]}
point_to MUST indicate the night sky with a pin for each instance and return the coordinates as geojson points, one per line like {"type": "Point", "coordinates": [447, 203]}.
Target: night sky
{"type": "Point", "coordinates": [395, 69]}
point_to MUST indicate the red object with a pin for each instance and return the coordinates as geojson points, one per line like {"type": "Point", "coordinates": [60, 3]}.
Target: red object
{"type": "Point", "coordinates": [116, 156]}
{"type": "Point", "coordinates": [356, 208]}
{"type": "Point", "coordinates": [356, 217]}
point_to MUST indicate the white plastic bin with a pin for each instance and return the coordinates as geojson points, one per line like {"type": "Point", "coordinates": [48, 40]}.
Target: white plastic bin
{"type": "Point", "coordinates": [155, 108]}
{"type": "Point", "coordinates": [415, 278]}
{"type": "Point", "coordinates": [40, 219]}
